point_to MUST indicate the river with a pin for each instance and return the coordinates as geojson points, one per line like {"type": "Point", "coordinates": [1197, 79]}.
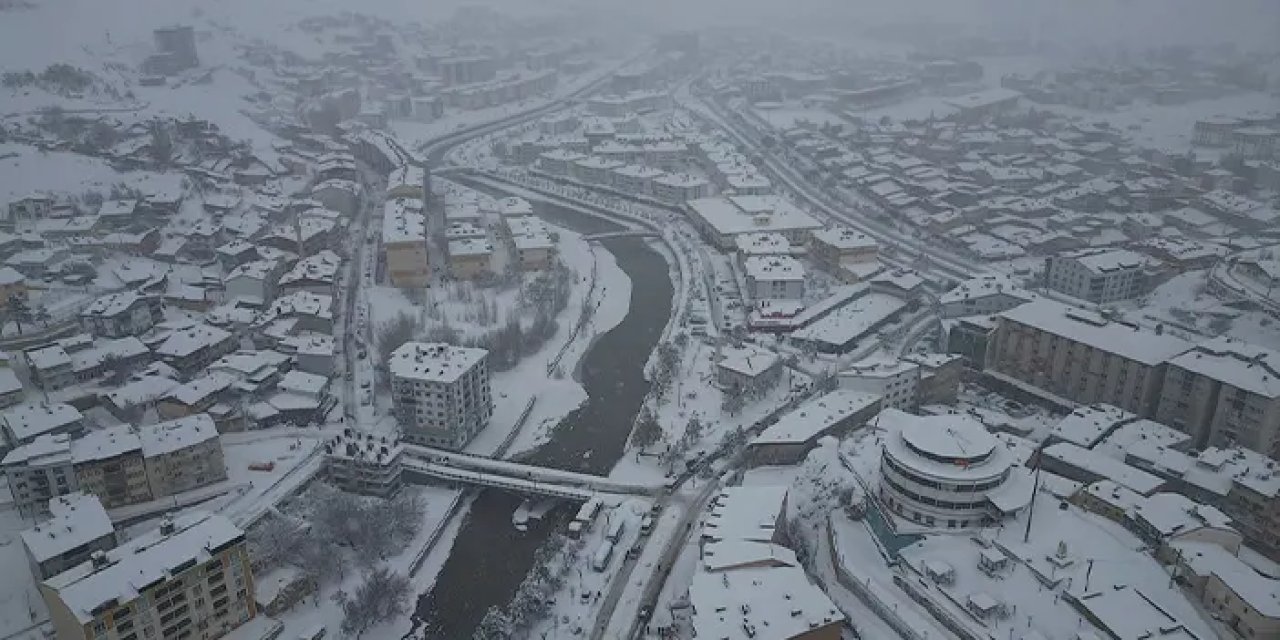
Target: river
{"type": "Point", "coordinates": [489, 558]}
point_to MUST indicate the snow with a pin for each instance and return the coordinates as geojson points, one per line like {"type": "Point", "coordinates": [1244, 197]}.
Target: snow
{"type": "Point", "coordinates": [816, 415]}
{"type": "Point", "coordinates": [77, 519]}
{"type": "Point", "coordinates": [1088, 328]}
{"type": "Point", "coordinates": [23, 170]}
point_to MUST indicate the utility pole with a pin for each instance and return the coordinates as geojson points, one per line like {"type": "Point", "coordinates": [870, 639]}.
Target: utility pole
{"type": "Point", "coordinates": [1031, 508]}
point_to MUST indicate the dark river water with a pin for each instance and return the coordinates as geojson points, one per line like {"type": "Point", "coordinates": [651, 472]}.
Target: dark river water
{"type": "Point", "coordinates": [489, 557]}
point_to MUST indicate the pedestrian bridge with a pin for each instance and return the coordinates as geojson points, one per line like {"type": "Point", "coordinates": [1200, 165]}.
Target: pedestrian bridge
{"type": "Point", "coordinates": [515, 476]}
{"type": "Point", "coordinates": [633, 233]}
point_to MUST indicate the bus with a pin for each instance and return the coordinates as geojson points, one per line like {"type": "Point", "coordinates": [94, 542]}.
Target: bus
{"type": "Point", "coordinates": [600, 561]}
{"type": "Point", "coordinates": [586, 515]}
{"type": "Point", "coordinates": [615, 530]}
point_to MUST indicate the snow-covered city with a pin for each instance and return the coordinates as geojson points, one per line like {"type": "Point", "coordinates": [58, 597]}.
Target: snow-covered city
{"type": "Point", "coordinates": [720, 320]}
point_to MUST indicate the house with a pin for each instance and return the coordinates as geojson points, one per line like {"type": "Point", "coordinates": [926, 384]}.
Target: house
{"type": "Point", "coordinates": [12, 283]}
{"type": "Point", "coordinates": [77, 529]}
{"type": "Point", "coordinates": [316, 273]}
{"type": "Point", "coordinates": [470, 258]}
{"type": "Point", "coordinates": [896, 381]}
{"type": "Point", "coordinates": [1245, 600]}
{"type": "Point", "coordinates": [11, 391]}
{"type": "Point", "coordinates": [747, 369]}
{"type": "Point", "coordinates": [196, 396]}
{"type": "Point", "coordinates": [190, 349]}
{"type": "Point", "coordinates": [254, 282]}
{"type": "Point", "coordinates": [833, 246]}
{"type": "Point", "coordinates": [49, 367]}
{"type": "Point", "coordinates": [117, 315]}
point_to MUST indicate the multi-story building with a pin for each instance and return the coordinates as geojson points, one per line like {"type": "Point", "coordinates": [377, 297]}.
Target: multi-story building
{"type": "Point", "coordinates": [947, 471]}
{"type": "Point", "coordinates": [721, 219]}
{"type": "Point", "coordinates": [118, 315]}
{"type": "Point", "coordinates": [404, 241]}
{"type": "Point", "coordinates": [364, 463]}
{"type": "Point", "coordinates": [1082, 356]}
{"type": "Point", "coordinates": [441, 392]}
{"type": "Point", "coordinates": [39, 471]}
{"type": "Point", "coordinates": [79, 526]}
{"type": "Point", "coordinates": [834, 245]}
{"type": "Point", "coordinates": [109, 464]}
{"type": "Point", "coordinates": [1100, 276]}
{"type": "Point", "coordinates": [1225, 392]}
{"type": "Point", "coordinates": [470, 258]}
{"type": "Point", "coordinates": [896, 381]}
{"type": "Point", "coordinates": [190, 578]}
{"type": "Point", "coordinates": [182, 454]}
{"type": "Point", "coordinates": [407, 181]}
{"type": "Point", "coordinates": [774, 277]}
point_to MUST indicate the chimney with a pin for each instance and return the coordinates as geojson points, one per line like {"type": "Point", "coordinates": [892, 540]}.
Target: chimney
{"type": "Point", "coordinates": [99, 559]}
{"type": "Point", "coordinates": [166, 527]}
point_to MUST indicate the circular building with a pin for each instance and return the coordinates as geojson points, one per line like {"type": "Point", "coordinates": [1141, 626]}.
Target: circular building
{"type": "Point", "coordinates": [948, 471]}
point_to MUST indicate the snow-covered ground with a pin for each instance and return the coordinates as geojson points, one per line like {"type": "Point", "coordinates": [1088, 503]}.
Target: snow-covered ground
{"type": "Point", "coordinates": [1185, 301]}
{"type": "Point", "coordinates": [21, 606]}
{"type": "Point", "coordinates": [787, 115]}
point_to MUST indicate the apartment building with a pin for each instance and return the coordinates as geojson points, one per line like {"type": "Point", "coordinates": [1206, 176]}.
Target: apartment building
{"type": "Point", "coordinates": [183, 454]}
{"type": "Point", "coordinates": [834, 245]}
{"type": "Point", "coordinates": [40, 471]}
{"type": "Point", "coordinates": [774, 277]}
{"type": "Point", "coordinates": [190, 578]}
{"type": "Point", "coordinates": [441, 392]}
{"type": "Point", "coordinates": [897, 382]}
{"type": "Point", "coordinates": [1099, 276]}
{"type": "Point", "coordinates": [78, 527]}
{"type": "Point", "coordinates": [191, 349]}
{"type": "Point", "coordinates": [25, 422]}
{"type": "Point", "coordinates": [404, 241]}
{"type": "Point", "coordinates": [364, 463]}
{"type": "Point", "coordinates": [109, 464]}
{"type": "Point", "coordinates": [1082, 356]}
{"type": "Point", "coordinates": [1225, 392]}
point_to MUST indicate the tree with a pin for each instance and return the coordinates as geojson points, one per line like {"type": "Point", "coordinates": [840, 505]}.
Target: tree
{"type": "Point", "coordinates": [161, 143]}
{"type": "Point", "coordinates": [19, 311]}
{"type": "Point", "coordinates": [272, 541]}
{"type": "Point", "coordinates": [692, 432]}
{"type": "Point", "coordinates": [394, 334]}
{"type": "Point", "coordinates": [647, 431]}
{"type": "Point", "coordinates": [733, 403]}
{"type": "Point", "coordinates": [381, 597]}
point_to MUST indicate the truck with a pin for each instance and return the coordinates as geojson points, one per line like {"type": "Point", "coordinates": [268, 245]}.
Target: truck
{"type": "Point", "coordinates": [600, 561]}
{"type": "Point", "coordinates": [646, 525]}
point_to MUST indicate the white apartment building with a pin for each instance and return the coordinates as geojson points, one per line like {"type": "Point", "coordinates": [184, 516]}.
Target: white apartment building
{"type": "Point", "coordinates": [834, 245]}
{"type": "Point", "coordinates": [190, 578]}
{"type": "Point", "coordinates": [983, 296]}
{"type": "Point", "coordinates": [1097, 275]}
{"type": "Point", "coordinates": [679, 188]}
{"type": "Point", "coordinates": [441, 393]}
{"type": "Point", "coordinates": [774, 277]}
{"type": "Point", "coordinates": [1224, 392]}
{"type": "Point", "coordinates": [39, 471]}
{"type": "Point", "coordinates": [897, 382]}
{"type": "Point", "coordinates": [182, 454]}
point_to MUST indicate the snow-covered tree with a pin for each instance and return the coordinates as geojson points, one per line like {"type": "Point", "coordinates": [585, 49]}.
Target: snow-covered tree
{"type": "Point", "coordinates": [647, 431]}
{"type": "Point", "coordinates": [381, 597]}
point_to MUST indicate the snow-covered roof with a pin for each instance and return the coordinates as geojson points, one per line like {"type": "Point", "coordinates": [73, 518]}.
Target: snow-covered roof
{"type": "Point", "coordinates": [45, 450]}
{"type": "Point", "coordinates": [1260, 593]}
{"type": "Point", "coordinates": [201, 388]}
{"type": "Point", "coordinates": [127, 348]}
{"type": "Point", "coordinates": [175, 435]}
{"type": "Point", "coordinates": [104, 444]}
{"type": "Point", "coordinates": [112, 304]}
{"type": "Point", "coordinates": [1091, 329]}
{"type": "Point", "coordinates": [1173, 514]}
{"type": "Point", "coordinates": [301, 382]}
{"type": "Point", "coordinates": [246, 363]}
{"type": "Point", "coordinates": [10, 276]}
{"type": "Point", "coordinates": [762, 244]}
{"type": "Point", "coordinates": [9, 382]}
{"type": "Point", "coordinates": [746, 513]}
{"type": "Point", "coordinates": [139, 563]}
{"type": "Point", "coordinates": [77, 520]}
{"type": "Point", "coordinates": [469, 247]}
{"type": "Point", "coordinates": [1105, 467]}
{"type": "Point", "coordinates": [877, 367]}
{"type": "Point", "coordinates": [320, 267]}
{"type": "Point", "coordinates": [143, 390]}
{"type": "Point", "coordinates": [1086, 426]}
{"type": "Point", "coordinates": [844, 238]}
{"type": "Point", "coordinates": [403, 221]}
{"type": "Point", "coordinates": [434, 361]}
{"type": "Point", "coordinates": [1244, 366]}
{"type": "Point", "coordinates": [747, 360]}
{"type": "Point", "coordinates": [31, 419]}
{"type": "Point", "coordinates": [719, 555]}
{"type": "Point", "coordinates": [1100, 261]}
{"type": "Point", "coordinates": [186, 341]}
{"type": "Point", "coordinates": [773, 268]}
{"type": "Point", "coordinates": [50, 357]}
{"type": "Point", "coordinates": [1213, 470]}
{"type": "Point", "coordinates": [759, 603]}
{"type": "Point", "coordinates": [745, 214]}
{"type": "Point", "coordinates": [514, 206]}
{"type": "Point", "coordinates": [851, 321]}
{"type": "Point", "coordinates": [983, 286]}
{"type": "Point", "coordinates": [816, 415]}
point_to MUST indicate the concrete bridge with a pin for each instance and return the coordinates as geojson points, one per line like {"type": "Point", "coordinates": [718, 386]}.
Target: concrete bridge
{"type": "Point", "coordinates": [515, 476]}
{"type": "Point", "coordinates": [632, 233]}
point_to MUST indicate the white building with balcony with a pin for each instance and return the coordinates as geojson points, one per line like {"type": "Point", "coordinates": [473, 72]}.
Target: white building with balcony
{"type": "Point", "coordinates": [441, 393]}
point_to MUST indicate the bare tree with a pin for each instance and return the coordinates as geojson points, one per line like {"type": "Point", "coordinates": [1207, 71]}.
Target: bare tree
{"type": "Point", "coordinates": [381, 597]}
{"type": "Point", "coordinates": [647, 431]}
{"type": "Point", "coordinates": [395, 333]}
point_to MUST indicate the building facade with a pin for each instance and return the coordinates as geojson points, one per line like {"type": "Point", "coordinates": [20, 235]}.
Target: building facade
{"type": "Point", "coordinates": [1225, 392]}
{"type": "Point", "coordinates": [1099, 276]}
{"type": "Point", "coordinates": [441, 393]}
{"type": "Point", "coordinates": [190, 578]}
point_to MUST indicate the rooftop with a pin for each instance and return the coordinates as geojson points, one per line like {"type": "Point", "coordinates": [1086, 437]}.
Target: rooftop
{"type": "Point", "coordinates": [434, 361]}
{"type": "Point", "coordinates": [773, 603]}
{"type": "Point", "coordinates": [1233, 362]}
{"type": "Point", "coordinates": [746, 513]}
{"type": "Point", "coordinates": [145, 561]}
{"type": "Point", "coordinates": [816, 415]}
{"type": "Point", "coordinates": [176, 435]}
{"type": "Point", "coordinates": [773, 268]}
{"type": "Point", "coordinates": [31, 419]}
{"type": "Point", "coordinates": [1086, 327]}
{"type": "Point", "coordinates": [747, 360]}
{"type": "Point", "coordinates": [77, 519]}
{"type": "Point", "coordinates": [844, 238]}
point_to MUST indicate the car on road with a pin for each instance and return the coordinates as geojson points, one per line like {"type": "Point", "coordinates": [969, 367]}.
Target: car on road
{"type": "Point", "coordinates": [646, 611]}
{"type": "Point", "coordinates": [364, 384]}
{"type": "Point", "coordinates": [363, 354]}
